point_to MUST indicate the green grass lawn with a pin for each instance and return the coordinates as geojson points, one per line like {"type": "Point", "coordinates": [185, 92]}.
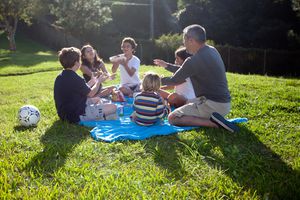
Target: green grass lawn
{"type": "Point", "coordinates": [30, 57]}
{"type": "Point", "coordinates": [57, 160]}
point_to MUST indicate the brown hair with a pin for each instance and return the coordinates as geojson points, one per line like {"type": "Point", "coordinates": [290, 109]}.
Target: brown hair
{"type": "Point", "coordinates": [182, 53]}
{"type": "Point", "coordinates": [68, 56]}
{"type": "Point", "coordinates": [151, 82]}
{"type": "Point", "coordinates": [130, 41]}
{"type": "Point", "coordinates": [97, 59]}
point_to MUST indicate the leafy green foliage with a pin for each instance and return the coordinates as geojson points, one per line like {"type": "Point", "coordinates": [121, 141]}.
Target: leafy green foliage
{"type": "Point", "coordinates": [11, 11]}
{"type": "Point", "coordinates": [296, 6]}
{"type": "Point", "coordinates": [16, 8]}
{"type": "Point", "coordinates": [169, 42]}
{"type": "Point", "coordinates": [249, 23]}
{"type": "Point", "coordinates": [80, 16]}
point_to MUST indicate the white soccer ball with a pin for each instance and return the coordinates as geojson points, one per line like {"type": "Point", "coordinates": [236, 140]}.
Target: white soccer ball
{"type": "Point", "coordinates": [29, 115]}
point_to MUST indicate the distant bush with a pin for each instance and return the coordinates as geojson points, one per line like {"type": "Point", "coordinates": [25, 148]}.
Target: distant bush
{"type": "Point", "coordinates": [169, 41]}
{"type": "Point", "coordinates": [167, 45]}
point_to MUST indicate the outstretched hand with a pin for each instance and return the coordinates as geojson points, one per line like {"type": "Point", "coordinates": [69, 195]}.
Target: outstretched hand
{"type": "Point", "coordinates": [160, 62]}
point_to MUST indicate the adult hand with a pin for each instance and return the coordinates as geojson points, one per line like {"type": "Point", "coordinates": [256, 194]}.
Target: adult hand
{"type": "Point", "coordinates": [160, 63]}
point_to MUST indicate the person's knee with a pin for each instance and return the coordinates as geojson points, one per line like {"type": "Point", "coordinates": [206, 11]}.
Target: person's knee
{"type": "Point", "coordinates": [113, 108]}
{"type": "Point", "coordinates": [110, 109]}
{"type": "Point", "coordinates": [125, 91]}
{"type": "Point", "coordinates": [122, 89]}
{"type": "Point", "coordinates": [172, 118]}
{"type": "Point", "coordinates": [176, 100]}
{"type": "Point", "coordinates": [111, 112]}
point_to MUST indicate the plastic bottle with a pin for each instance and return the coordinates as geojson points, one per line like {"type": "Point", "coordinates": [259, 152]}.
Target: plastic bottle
{"type": "Point", "coordinates": [121, 110]}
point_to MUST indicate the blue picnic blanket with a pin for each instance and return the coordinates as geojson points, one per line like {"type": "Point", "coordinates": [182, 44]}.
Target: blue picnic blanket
{"type": "Point", "coordinates": [124, 129]}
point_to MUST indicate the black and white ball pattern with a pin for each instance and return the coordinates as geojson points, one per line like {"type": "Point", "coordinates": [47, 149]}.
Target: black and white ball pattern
{"type": "Point", "coordinates": [29, 115]}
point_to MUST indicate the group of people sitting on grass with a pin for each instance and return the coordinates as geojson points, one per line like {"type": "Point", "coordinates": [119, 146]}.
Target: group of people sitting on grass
{"type": "Point", "coordinates": [201, 96]}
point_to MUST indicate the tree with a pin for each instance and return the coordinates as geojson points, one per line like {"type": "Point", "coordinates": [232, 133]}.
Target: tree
{"type": "Point", "coordinates": [11, 11]}
{"type": "Point", "coordinates": [79, 17]}
{"type": "Point", "coordinates": [248, 23]}
{"type": "Point", "coordinates": [296, 6]}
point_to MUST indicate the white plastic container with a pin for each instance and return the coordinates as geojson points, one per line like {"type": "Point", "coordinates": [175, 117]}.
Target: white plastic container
{"type": "Point", "coordinates": [117, 58]}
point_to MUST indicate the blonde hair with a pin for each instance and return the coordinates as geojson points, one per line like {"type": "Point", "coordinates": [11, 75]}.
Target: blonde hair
{"type": "Point", "coordinates": [151, 82]}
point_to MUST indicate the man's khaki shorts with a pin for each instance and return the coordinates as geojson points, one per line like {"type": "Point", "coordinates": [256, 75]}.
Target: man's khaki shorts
{"type": "Point", "coordinates": [202, 107]}
{"type": "Point", "coordinates": [92, 111]}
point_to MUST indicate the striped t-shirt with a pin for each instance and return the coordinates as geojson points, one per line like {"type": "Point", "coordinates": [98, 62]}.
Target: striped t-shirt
{"type": "Point", "coordinates": [148, 108]}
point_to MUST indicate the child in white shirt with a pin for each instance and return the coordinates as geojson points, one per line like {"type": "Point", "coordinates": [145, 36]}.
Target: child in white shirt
{"type": "Point", "coordinates": [184, 91]}
{"type": "Point", "coordinates": [129, 68]}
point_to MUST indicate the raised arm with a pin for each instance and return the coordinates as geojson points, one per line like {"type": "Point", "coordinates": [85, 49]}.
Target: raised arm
{"type": "Point", "coordinates": [172, 68]}
{"type": "Point", "coordinates": [96, 86]}
{"type": "Point", "coordinates": [181, 74]}
{"type": "Point", "coordinates": [115, 67]}
{"type": "Point", "coordinates": [103, 68]}
{"type": "Point", "coordinates": [130, 70]}
{"type": "Point", "coordinates": [168, 66]}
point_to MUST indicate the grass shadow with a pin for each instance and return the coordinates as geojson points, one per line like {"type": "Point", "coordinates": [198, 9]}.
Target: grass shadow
{"type": "Point", "coordinates": [249, 162]}
{"type": "Point", "coordinates": [20, 128]}
{"type": "Point", "coordinates": [165, 154]}
{"type": "Point", "coordinates": [28, 53]}
{"type": "Point", "coordinates": [22, 59]}
{"type": "Point", "coordinates": [24, 44]}
{"type": "Point", "coordinates": [59, 140]}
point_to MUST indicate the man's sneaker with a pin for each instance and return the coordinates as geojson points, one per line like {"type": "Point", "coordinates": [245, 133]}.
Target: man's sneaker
{"type": "Point", "coordinates": [222, 122]}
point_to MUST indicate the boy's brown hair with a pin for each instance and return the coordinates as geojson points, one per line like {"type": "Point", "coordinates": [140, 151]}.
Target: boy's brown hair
{"type": "Point", "coordinates": [69, 56]}
{"type": "Point", "coordinates": [151, 82]}
{"type": "Point", "coordinates": [130, 41]}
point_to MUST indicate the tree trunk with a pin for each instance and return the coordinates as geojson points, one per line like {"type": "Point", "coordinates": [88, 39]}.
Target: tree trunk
{"type": "Point", "coordinates": [11, 32]}
{"type": "Point", "coordinates": [12, 42]}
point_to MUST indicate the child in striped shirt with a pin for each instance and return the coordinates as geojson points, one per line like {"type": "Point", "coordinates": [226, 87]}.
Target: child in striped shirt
{"type": "Point", "coordinates": [149, 107]}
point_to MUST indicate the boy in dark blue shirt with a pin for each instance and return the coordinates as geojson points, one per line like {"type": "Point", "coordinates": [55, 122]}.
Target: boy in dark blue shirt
{"type": "Point", "coordinates": [73, 96]}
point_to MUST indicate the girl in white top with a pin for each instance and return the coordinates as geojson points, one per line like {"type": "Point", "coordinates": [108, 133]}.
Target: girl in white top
{"type": "Point", "coordinates": [184, 91]}
{"type": "Point", "coordinates": [129, 68]}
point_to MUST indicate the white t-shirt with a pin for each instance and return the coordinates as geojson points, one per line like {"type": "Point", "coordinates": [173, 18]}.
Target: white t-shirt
{"type": "Point", "coordinates": [186, 89]}
{"type": "Point", "coordinates": [134, 62]}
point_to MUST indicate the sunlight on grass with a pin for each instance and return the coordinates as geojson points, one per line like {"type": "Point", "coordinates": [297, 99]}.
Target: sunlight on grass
{"type": "Point", "coordinates": [60, 160]}
{"type": "Point", "coordinates": [44, 53]}
{"type": "Point", "coordinates": [57, 160]}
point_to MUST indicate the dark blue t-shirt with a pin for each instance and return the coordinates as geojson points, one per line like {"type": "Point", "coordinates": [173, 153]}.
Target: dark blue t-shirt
{"type": "Point", "coordinates": [70, 95]}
